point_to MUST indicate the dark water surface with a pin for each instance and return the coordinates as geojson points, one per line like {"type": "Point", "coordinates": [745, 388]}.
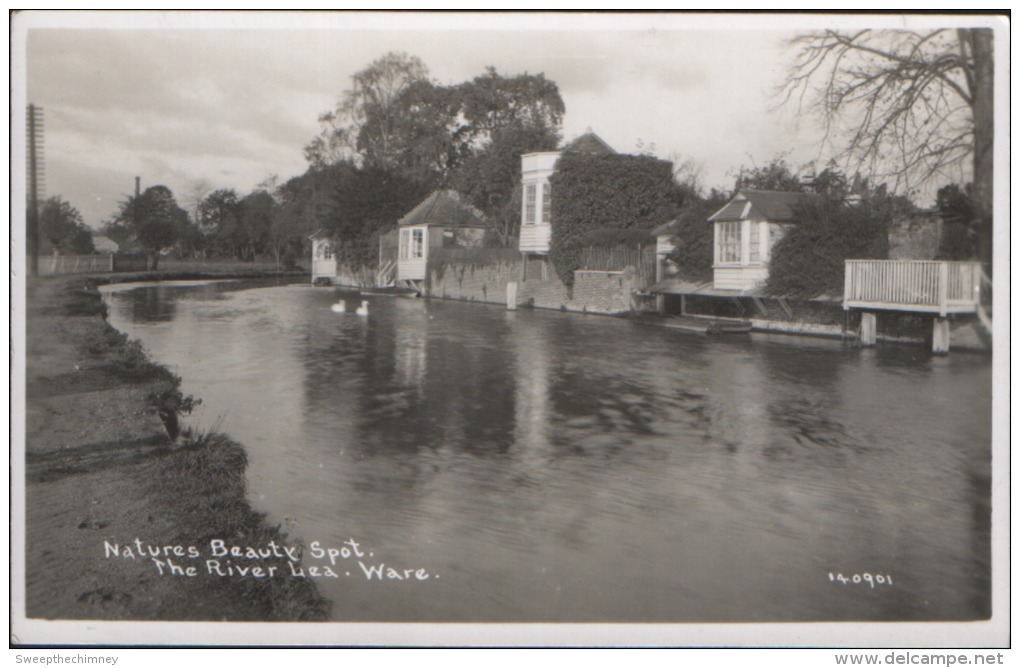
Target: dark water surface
{"type": "Point", "coordinates": [543, 466]}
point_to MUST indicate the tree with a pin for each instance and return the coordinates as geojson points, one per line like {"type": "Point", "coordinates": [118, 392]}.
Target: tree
{"type": "Point", "coordinates": [64, 227]}
{"type": "Point", "coordinates": [219, 220]}
{"type": "Point", "coordinates": [153, 219]}
{"type": "Point", "coordinates": [490, 179]}
{"type": "Point", "coordinates": [776, 175]}
{"type": "Point", "coordinates": [912, 107]}
{"type": "Point", "coordinates": [364, 120]}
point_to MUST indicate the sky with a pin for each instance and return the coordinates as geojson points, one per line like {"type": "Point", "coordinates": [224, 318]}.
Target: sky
{"type": "Point", "coordinates": [217, 100]}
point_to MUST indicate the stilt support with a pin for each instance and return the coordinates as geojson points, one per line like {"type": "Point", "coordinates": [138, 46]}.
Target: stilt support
{"type": "Point", "coordinates": [869, 329]}
{"type": "Point", "coordinates": [940, 336]}
{"type": "Point", "coordinates": [511, 296]}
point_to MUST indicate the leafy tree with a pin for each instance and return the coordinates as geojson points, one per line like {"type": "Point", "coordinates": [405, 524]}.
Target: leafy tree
{"type": "Point", "coordinates": [219, 216]}
{"type": "Point", "coordinates": [956, 207]}
{"type": "Point", "coordinates": [364, 120]}
{"type": "Point", "coordinates": [490, 179]}
{"type": "Point", "coordinates": [776, 175]}
{"type": "Point", "coordinates": [693, 237]}
{"type": "Point", "coordinates": [593, 194]}
{"type": "Point", "coordinates": [153, 219]}
{"type": "Point", "coordinates": [255, 220]}
{"type": "Point", "coordinates": [366, 203]}
{"type": "Point", "coordinates": [907, 106]}
{"type": "Point", "coordinates": [64, 227]}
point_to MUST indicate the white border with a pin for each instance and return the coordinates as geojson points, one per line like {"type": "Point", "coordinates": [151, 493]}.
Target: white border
{"type": "Point", "coordinates": [994, 633]}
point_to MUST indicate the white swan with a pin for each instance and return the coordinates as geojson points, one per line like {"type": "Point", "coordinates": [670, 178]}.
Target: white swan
{"type": "Point", "coordinates": [339, 307]}
{"type": "Point", "coordinates": [363, 309]}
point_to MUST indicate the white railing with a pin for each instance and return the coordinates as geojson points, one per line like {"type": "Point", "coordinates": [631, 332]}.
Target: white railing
{"type": "Point", "coordinates": [912, 285]}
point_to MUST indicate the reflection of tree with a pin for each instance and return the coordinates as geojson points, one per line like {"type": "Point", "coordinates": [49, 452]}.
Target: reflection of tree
{"type": "Point", "coordinates": [151, 304]}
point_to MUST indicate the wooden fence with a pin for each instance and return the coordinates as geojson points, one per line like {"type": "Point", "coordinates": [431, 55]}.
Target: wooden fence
{"type": "Point", "coordinates": [912, 285]}
{"type": "Point", "coordinates": [619, 258]}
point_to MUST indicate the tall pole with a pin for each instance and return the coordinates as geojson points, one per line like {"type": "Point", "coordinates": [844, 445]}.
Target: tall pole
{"type": "Point", "coordinates": [35, 137]}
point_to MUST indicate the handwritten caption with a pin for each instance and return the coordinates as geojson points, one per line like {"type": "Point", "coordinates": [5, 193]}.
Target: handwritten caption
{"type": "Point", "coordinates": [858, 578]}
{"type": "Point", "coordinates": [218, 558]}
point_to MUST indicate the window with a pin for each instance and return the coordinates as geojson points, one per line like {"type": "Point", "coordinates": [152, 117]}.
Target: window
{"type": "Point", "coordinates": [529, 205]}
{"type": "Point", "coordinates": [327, 251]}
{"type": "Point", "coordinates": [417, 243]}
{"type": "Point", "coordinates": [405, 236]}
{"type": "Point", "coordinates": [412, 243]}
{"type": "Point", "coordinates": [546, 202]}
{"type": "Point", "coordinates": [729, 242]}
{"type": "Point", "coordinates": [754, 244]}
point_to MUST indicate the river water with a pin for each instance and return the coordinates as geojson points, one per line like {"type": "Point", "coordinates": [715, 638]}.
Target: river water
{"type": "Point", "coordinates": [542, 466]}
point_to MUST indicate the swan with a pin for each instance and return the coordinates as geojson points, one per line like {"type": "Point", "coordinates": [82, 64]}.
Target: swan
{"type": "Point", "coordinates": [363, 309]}
{"type": "Point", "coordinates": [339, 307]}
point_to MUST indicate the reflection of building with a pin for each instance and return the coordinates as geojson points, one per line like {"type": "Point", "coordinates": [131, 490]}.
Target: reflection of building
{"type": "Point", "coordinates": [531, 390]}
{"type": "Point", "coordinates": [409, 347]}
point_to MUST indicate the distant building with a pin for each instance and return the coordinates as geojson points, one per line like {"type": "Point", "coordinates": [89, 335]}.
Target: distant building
{"type": "Point", "coordinates": [323, 258]}
{"type": "Point", "coordinates": [105, 245]}
{"type": "Point", "coordinates": [745, 230]}
{"type": "Point", "coordinates": [536, 195]}
{"type": "Point", "coordinates": [441, 220]}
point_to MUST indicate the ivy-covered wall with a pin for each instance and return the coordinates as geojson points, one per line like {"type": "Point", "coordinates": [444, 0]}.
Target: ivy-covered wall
{"type": "Point", "coordinates": [607, 199]}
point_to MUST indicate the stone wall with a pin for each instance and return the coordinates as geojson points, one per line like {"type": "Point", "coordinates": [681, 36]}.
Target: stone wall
{"type": "Point", "coordinates": [538, 285]}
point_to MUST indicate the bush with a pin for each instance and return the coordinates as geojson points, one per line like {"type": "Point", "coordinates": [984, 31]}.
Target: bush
{"type": "Point", "coordinates": [809, 260]}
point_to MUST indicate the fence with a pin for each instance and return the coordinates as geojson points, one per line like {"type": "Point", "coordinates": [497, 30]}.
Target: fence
{"type": "Point", "coordinates": [910, 285]}
{"type": "Point", "coordinates": [75, 264]}
{"type": "Point", "coordinates": [618, 258]}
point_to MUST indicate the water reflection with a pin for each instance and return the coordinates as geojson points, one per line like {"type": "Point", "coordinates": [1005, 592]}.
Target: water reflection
{"type": "Point", "coordinates": [555, 467]}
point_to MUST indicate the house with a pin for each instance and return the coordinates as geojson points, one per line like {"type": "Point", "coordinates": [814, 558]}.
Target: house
{"type": "Point", "coordinates": [105, 245]}
{"type": "Point", "coordinates": [536, 193]}
{"type": "Point", "coordinates": [745, 230]}
{"type": "Point", "coordinates": [441, 220]}
{"type": "Point", "coordinates": [323, 258]}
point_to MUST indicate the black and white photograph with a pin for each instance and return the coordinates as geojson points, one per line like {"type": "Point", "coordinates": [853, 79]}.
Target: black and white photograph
{"type": "Point", "coordinates": [509, 328]}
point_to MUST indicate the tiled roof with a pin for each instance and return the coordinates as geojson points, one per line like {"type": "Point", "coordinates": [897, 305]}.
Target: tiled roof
{"type": "Point", "coordinates": [444, 207]}
{"type": "Point", "coordinates": [590, 142]}
{"type": "Point", "coordinates": [771, 205]}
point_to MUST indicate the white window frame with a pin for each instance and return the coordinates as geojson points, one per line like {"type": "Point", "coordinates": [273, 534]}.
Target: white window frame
{"type": "Point", "coordinates": [547, 203]}
{"type": "Point", "coordinates": [530, 203]}
{"type": "Point", "coordinates": [327, 251]}
{"type": "Point", "coordinates": [729, 242]}
{"type": "Point", "coordinates": [417, 243]}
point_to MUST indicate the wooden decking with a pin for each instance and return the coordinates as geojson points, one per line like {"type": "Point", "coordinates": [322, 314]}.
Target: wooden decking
{"type": "Point", "coordinates": [913, 285]}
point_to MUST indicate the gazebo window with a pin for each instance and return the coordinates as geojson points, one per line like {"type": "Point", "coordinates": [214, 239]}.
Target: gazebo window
{"type": "Point", "coordinates": [729, 242]}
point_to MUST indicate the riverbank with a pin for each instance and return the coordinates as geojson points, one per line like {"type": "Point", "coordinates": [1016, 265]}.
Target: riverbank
{"type": "Point", "coordinates": [102, 468]}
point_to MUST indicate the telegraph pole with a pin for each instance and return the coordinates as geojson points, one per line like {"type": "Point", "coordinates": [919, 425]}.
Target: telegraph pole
{"type": "Point", "coordinates": [36, 175]}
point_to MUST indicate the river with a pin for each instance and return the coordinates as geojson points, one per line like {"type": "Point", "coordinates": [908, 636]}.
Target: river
{"type": "Point", "coordinates": [537, 466]}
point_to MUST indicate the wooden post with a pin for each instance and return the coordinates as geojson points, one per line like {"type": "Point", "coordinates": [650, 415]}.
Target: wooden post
{"type": "Point", "coordinates": [940, 336]}
{"type": "Point", "coordinates": [869, 329]}
{"type": "Point", "coordinates": [511, 296]}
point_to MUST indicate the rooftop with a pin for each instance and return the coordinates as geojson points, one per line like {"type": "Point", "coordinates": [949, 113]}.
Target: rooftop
{"type": "Point", "coordinates": [444, 207]}
{"type": "Point", "coordinates": [771, 205]}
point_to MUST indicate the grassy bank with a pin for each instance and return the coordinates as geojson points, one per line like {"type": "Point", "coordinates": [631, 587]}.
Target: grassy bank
{"type": "Point", "coordinates": [102, 468]}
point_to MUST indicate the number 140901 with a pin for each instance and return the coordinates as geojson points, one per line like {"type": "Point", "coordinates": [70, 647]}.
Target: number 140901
{"type": "Point", "coordinates": [861, 578]}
